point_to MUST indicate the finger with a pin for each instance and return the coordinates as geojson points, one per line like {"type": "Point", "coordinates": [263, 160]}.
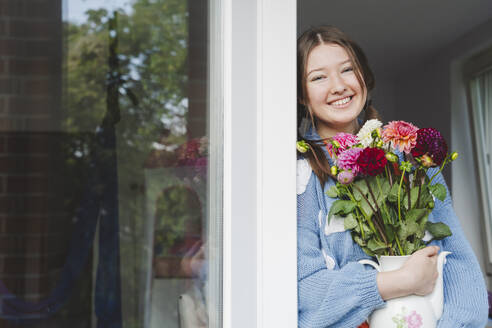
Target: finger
{"type": "Point", "coordinates": [431, 250]}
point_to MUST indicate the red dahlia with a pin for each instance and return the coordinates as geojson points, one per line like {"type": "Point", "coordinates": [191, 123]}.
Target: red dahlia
{"type": "Point", "coordinates": [372, 161]}
{"type": "Point", "coordinates": [432, 143]}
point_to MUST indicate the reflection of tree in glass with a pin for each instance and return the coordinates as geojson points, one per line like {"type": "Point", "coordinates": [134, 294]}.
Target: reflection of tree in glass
{"type": "Point", "coordinates": [152, 54]}
{"type": "Point", "coordinates": [177, 221]}
{"type": "Point", "coordinates": [151, 77]}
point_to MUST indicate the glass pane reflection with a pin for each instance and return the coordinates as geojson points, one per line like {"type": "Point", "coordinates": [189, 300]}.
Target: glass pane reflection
{"type": "Point", "coordinates": [104, 164]}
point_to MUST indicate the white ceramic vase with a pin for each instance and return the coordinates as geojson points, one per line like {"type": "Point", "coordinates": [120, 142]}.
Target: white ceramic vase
{"type": "Point", "coordinates": [410, 311]}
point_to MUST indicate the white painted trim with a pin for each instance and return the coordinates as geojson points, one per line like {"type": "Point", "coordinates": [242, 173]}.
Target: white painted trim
{"type": "Point", "coordinates": [241, 177]}
{"type": "Point", "coordinates": [259, 208]}
{"type": "Point", "coordinates": [220, 20]}
{"type": "Point", "coordinates": [276, 164]}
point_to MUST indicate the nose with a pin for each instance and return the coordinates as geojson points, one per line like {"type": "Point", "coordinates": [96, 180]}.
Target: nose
{"type": "Point", "coordinates": [338, 84]}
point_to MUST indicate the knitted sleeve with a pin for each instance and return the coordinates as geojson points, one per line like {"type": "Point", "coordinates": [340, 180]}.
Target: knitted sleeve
{"type": "Point", "coordinates": [465, 294]}
{"type": "Point", "coordinates": [329, 296]}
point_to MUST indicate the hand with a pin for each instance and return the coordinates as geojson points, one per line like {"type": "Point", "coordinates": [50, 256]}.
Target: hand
{"type": "Point", "coordinates": [417, 276]}
{"type": "Point", "coordinates": [421, 271]}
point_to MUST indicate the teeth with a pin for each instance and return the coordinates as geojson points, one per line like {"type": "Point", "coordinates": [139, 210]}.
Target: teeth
{"type": "Point", "coordinates": [341, 101]}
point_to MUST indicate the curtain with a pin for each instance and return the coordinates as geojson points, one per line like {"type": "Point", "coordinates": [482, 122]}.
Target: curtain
{"type": "Point", "coordinates": [481, 101]}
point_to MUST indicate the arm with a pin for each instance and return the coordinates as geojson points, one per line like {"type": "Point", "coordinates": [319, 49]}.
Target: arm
{"type": "Point", "coordinates": [342, 297]}
{"type": "Point", "coordinates": [465, 294]}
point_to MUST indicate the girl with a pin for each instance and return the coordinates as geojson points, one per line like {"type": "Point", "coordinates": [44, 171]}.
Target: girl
{"type": "Point", "coordinates": [334, 290]}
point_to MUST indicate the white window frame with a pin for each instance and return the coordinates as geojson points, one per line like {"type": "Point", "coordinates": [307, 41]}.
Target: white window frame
{"type": "Point", "coordinates": [253, 81]}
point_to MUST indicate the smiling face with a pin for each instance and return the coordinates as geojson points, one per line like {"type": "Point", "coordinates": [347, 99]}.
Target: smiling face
{"type": "Point", "coordinates": [334, 94]}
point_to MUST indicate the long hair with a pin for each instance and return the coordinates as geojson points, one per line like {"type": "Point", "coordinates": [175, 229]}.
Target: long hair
{"type": "Point", "coordinates": [309, 40]}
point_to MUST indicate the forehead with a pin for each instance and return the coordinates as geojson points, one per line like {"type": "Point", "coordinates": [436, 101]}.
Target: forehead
{"type": "Point", "coordinates": [325, 56]}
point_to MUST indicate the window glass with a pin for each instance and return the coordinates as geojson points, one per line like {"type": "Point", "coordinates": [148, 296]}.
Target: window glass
{"type": "Point", "coordinates": [104, 165]}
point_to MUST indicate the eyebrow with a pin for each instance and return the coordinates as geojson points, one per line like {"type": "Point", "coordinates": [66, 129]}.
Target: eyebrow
{"type": "Point", "coordinates": [321, 68]}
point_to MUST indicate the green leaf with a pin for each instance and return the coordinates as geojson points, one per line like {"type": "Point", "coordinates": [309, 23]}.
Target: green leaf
{"type": "Point", "coordinates": [375, 245]}
{"type": "Point", "coordinates": [350, 222]}
{"type": "Point", "coordinates": [360, 186]}
{"type": "Point", "coordinates": [390, 234]}
{"type": "Point", "coordinates": [439, 191]}
{"type": "Point", "coordinates": [386, 217]}
{"type": "Point", "coordinates": [367, 231]}
{"type": "Point", "coordinates": [408, 248]}
{"type": "Point", "coordinates": [366, 208]}
{"type": "Point", "coordinates": [360, 241]}
{"type": "Point", "coordinates": [425, 196]}
{"type": "Point", "coordinates": [416, 214]}
{"type": "Point", "coordinates": [341, 189]}
{"type": "Point", "coordinates": [423, 224]}
{"type": "Point", "coordinates": [368, 251]}
{"type": "Point", "coordinates": [384, 191]}
{"type": "Point", "coordinates": [393, 193]}
{"type": "Point", "coordinates": [393, 214]}
{"type": "Point", "coordinates": [438, 230]}
{"type": "Point", "coordinates": [341, 206]}
{"type": "Point", "coordinates": [332, 192]}
{"type": "Point", "coordinates": [407, 229]}
{"type": "Point", "coordinates": [414, 193]}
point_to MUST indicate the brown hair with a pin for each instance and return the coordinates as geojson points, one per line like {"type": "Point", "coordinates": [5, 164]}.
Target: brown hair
{"type": "Point", "coordinates": [309, 40]}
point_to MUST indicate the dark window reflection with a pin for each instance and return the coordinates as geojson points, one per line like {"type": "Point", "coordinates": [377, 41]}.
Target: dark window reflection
{"type": "Point", "coordinates": [104, 163]}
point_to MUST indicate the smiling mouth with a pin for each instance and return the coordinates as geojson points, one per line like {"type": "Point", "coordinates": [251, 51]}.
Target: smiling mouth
{"type": "Point", "coordinates": [341, 103]}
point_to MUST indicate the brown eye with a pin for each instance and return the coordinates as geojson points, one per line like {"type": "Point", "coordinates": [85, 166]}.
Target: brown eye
{"type": "Point", "coordinates": [348, 69]}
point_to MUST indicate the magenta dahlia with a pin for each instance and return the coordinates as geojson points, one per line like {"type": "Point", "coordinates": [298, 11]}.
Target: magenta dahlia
{"type": "Point", "coordinates": [347, 160]}
{"type": "Point", "coordinates": [372, 161]}
{"type": "Point", "coordinates": [430, 142]}
{"type": "Point", "coordinates": [345, 141]}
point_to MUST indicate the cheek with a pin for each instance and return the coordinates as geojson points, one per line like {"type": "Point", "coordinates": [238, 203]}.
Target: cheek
{"type": "Point", "coordinates": [354, 84]}
{"type": "Point", "coordinates": [315, 94]}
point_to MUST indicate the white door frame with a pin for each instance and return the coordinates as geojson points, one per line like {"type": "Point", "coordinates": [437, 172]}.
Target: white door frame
{"type": "Point", "coordinates": [258, 81]}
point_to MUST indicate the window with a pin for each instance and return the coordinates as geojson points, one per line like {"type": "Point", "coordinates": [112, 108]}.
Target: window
{"type": "Point", "coordinates": [478, 73]}
{"type": "Point", "coordinates": [110, 178]}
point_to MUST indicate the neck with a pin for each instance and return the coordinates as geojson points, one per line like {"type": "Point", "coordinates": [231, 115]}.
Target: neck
{"type": "Point", "coordinates": [326, 131]}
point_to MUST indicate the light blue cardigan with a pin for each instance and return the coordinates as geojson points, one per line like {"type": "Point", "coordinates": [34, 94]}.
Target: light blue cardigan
{"type": "Point", "coordinates": [334, 290]}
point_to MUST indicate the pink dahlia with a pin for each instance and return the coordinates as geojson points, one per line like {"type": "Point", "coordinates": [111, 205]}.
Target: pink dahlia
{"type": "Point", "coordinates": [430, 142]}
{"type": "Point", "coordinates": [401, 134]}
{"type": "Point", "coordinates": [345, 140]}
{"type": "Point", "coordinates": [372, 161]}
{"type": "Point", "coordinates": [414, 320]}
{"type": "Point", "coordinates": [347, 160]}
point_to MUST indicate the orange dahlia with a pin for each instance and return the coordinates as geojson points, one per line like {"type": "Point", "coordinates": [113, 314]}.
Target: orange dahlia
{"type": "Point", "coordinates": [402, 135]}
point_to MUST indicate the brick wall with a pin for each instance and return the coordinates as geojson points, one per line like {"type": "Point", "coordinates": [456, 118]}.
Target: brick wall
{"type": "Point", "coordinates": [35, 222]}
{"type": "Point", "coordinates": [197, 68]}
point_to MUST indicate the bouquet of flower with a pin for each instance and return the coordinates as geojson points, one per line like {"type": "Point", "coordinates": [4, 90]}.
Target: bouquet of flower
{"type": "Point", "coordinates": [195, 154]}
{"type": "Point", "coordinates": [385, 201]}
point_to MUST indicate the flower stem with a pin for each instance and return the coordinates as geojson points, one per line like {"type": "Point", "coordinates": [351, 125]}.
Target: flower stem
{"type": "Point", "coordinates": [352, 198]}
{"type": "Point", "coordinates": [388, 174]}
{"type": "Point", "coordinates": [381, 193]}
{"type": "Point", "coordinates": [376, 223]}
{"type": "Point", "coordinates": [408, 193]}
{"type": "Point", "coordinates": [373, 197]}
{"type": "Point", "coordinates": [399, 189]}
{"type": "Point", "coordinates": [398, 243]}
{"type": "Point", "coordinates": [440, 169]}
{"type": "Point", "coordinates": [420, 187]}
{"type": "Point", "coordinates": [359, 220]}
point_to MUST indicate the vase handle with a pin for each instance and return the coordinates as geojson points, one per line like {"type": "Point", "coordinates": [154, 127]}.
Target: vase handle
{"type": "Point", "coordinates": [371, 263]}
